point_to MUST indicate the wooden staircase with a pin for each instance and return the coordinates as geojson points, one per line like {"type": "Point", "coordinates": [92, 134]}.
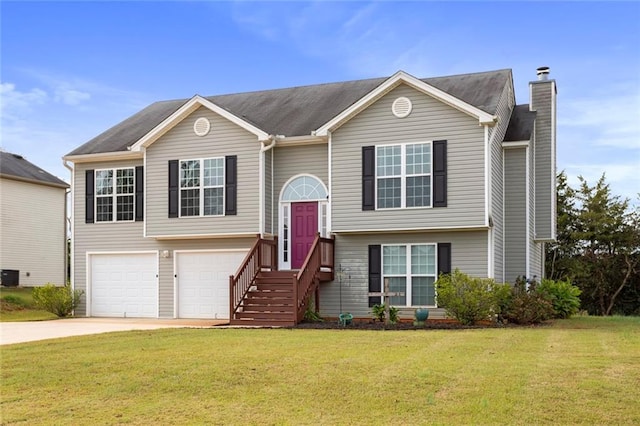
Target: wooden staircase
{"type": "Point", "coordinates": [269, 302]}
{"type": "Point", "coordinates": [261, 295]}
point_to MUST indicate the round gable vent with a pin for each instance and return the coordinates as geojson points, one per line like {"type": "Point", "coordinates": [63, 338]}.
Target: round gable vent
{"type": "Point", "coordinates": [401, 107]}
{"type": "Point", "coordinates": [202, 126]}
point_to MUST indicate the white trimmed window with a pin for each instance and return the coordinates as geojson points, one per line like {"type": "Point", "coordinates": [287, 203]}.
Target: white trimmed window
{"type": "Point", "coordinates": [410, 269]}
{"type": "Point", "coordinates": [403, 176]}
{"type": "Point", "coordinates": [115, 195]}
{"type": "Point", "coordinates": [202, 187]}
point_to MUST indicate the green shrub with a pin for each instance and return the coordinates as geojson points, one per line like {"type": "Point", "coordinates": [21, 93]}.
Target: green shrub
{"type": "Point", "coordinates": [311, 314]}
{"type": "Point", "coordinates": [502, 296]}
{"type": "Point", "coordinates": [60, 301]}
{"type": "Point", "coordinates": [393, 314]}
{"type": "Point", "coordinates": [564, 297]}
{"type": "Point", "coordinates": [528, 305]}
{"type": "Point", "coordinates": [467, 299]}
{"type": "Point", "coordinates": [379, 313]}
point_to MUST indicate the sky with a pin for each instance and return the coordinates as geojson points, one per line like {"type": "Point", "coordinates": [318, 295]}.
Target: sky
{"type": "Point", "coordinates": [71, 70]}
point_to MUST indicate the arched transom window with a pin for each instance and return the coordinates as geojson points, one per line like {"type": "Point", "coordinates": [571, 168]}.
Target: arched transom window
{"type": "Point", "coordinates": [304, 188]}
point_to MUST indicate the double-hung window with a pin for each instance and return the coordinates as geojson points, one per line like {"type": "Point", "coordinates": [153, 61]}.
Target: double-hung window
{"type": "Point", "coordinates": [403, 175]}
{"type": "Point", "coordinates": [410, 269]}
{"type": "Point", "coordinates": [202, 187]}
{"type": "Point", "coordinates": [115, 194]}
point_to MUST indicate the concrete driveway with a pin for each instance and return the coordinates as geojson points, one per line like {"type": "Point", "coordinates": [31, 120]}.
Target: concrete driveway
{"type": "Point", "coordinates": [19, 332]}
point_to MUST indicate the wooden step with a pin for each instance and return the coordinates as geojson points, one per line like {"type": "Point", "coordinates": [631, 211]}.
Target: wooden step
{"type": "Point", "coordinates": [277, 274]}
{"type": "Point", "coordinates": [288, 316]}
{"type": "Point", "coordinates": [267, 308]}
{"type": "Point", "coordinates": [259, 285]}
{"type": "Point", "coordinates": [261, 298]}
{"type": "Point", "coordinates": [325, 276]}
{"type": "Point", "coordinates": [275, 281]}
{"type": "Point", "coordinates": [248, 322]}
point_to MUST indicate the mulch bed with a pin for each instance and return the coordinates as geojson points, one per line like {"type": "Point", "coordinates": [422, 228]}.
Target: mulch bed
{"type": "Point", "coordinates": [371, 325]}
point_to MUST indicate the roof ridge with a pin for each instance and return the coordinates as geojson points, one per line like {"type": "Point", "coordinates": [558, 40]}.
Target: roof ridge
{"type": "Point", "coordinates": [298, 87]}
{"type": "Point", "coordinates": [324, 84]}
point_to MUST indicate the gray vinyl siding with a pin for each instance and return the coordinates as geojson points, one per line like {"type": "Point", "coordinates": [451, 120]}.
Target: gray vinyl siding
{"type": "Point", "coordinates": [88, 237]}
{"type": "Point", "coordinates": [536, 257]}
{"type": "Point", "coordinates": [121, 237]}
{"type": "Point", "coordinates": [468, 253]}
{"type": "Point", "coordinates": [181, 143]}
{"type": "Point", "coordinates": [515, 213]}
{"type": "Point", "coordinates": [269, 228]}
{"type": "Point", "coordinates": [33, 232]}
{"type": "Point", "coordinates": [543, 98]}
{"type": "Point", "coordinates": [290, 161]}
{"type": "Point", "coordinates": [505, 107]}
{"type": "Point", "coordinates": [429, 120]}
{"type": "Point", "coordinates": [535, 248]}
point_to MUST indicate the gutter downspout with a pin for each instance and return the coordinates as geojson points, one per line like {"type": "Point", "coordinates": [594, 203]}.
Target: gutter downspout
{"type": "Point", "coordinates": [261, 208]}
{"type": "Point", "coordinates": [68, 264]}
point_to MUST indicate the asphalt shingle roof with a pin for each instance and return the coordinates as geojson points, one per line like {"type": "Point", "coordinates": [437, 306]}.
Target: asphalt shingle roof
{"type": "Point", "coordinates": [15, 165]}
{"type": "Point", "coordinates": [521, 124]}
{"type": "Point", "coordinates": [296, 111]}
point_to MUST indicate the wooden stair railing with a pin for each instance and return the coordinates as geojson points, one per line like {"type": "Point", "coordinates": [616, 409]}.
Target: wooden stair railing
{"type": "Point", "coordinates": [263, 255]}
{"type": "Point", "coordinates": [321, 256]}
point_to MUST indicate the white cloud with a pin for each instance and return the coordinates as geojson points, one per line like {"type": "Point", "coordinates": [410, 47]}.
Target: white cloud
{"type": "Point", "coordinates": [70, 96]}
{"type": "Point", "coordinates": [46, 122]}
{"type": "Point", "coordinates": [14, 102]}
{"type": "Point", "coordinates": [607, 119]}
{"type": "Point", "coordinates": [364, 37]}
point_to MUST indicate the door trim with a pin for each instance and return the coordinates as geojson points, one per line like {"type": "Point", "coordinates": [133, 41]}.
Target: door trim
{"type": "Point", "coordinates": [315, 206]}
{"type": "Point", "coordinates": [89, 273]}
{"type": "Point", "coordinates": [284, 211]}
{"type": "Point", "coordinates": [176, 253]}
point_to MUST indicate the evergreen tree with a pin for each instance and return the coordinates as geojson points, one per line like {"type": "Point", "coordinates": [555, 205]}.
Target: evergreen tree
{"type": "Point", "coordinates": [598, 247]}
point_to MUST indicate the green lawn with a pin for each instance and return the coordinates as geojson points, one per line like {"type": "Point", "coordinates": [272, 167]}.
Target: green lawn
{"type": "Point", "coordinates": [16, 304]}
{"type": "Point", "coordinates": [583, 370]}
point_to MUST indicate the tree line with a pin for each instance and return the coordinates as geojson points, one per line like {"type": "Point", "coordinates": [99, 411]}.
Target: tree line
{"type": "Point", "coordinates": [597, 247]}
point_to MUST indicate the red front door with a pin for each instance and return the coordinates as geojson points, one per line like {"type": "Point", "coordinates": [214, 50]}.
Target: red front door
{"type": "Point", "coordinates": [304, 227]}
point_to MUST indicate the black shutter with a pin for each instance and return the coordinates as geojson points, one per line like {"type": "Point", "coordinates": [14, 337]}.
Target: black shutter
{"type": "Point", "coordinates": [375, 273]}
{"type": "Point", "coordinates": [440, 174]}
{"type": "Point", "coordinates": [173, 188]}
{"type": "Point", "coordinates": [230, 184]}
{"type": "Point", "coordinates": [444, 258]}
{"type": "Point", "coordinates": [88, 196]}
{"type": "Point", "coordinates": [368, 178]}
{"type": "Point", "coordinates": [139, 193]}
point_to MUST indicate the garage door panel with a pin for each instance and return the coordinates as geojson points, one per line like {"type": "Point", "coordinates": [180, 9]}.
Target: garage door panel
{"type": "Point", "coordinates": [124, 285]}
{"type": "Point", "coordinates": [203, 283]}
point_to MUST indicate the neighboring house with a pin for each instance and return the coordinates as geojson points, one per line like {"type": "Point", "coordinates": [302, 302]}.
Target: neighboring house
{"type": "Point", "coordinates": [33, 224]}
{"type": "Point", "coordinates": [406, 178]}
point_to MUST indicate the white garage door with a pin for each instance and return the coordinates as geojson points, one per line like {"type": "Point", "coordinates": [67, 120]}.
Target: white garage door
{"type": "Point", "coordinates": [203, 282]}
{"type": "Point", "coordinates": [124, 285]}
